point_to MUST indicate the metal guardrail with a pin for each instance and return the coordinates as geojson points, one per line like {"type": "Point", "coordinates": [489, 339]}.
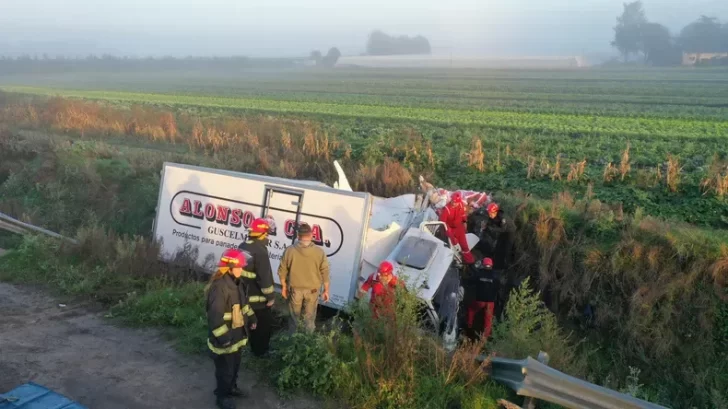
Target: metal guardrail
{"type": "Point", "coordinates": [536, 380]}
{"type": "Point", "coordinates": [16, 226]}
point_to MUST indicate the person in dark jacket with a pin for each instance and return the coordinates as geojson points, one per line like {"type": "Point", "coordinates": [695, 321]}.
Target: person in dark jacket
{"type": "Point", "coordinates": [498, 235]}
{"type": "Point", "coordinates": [227, 310]}
{"type": "Point", "coordinates": [484, 285]}
{"type": "Point", "coordinates": [257, 278]}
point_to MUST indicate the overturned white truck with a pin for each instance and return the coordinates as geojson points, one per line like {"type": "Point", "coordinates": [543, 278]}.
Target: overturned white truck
{"type": "Point", "coordinates": [207, 210]}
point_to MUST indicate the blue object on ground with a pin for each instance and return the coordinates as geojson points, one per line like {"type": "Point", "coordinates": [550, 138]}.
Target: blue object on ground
{"type": "Point", "coordinates": [34, 396]}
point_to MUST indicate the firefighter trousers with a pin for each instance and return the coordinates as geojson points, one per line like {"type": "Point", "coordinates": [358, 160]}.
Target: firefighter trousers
{"type": "Point", "coordinates": [226, 372]}
{"type": "Point", "coordinates": [488, 308]}
{"type": "Point", "coordinates": [260, 337]}
{"type": "Point", "coordinates": [457, 235]}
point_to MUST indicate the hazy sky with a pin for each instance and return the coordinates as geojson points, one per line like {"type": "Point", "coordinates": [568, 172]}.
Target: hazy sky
{"type": "Point", "coordinates": [294, 27]}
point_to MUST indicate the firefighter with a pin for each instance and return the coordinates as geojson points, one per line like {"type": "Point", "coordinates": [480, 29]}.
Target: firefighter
{"type": "Point", "coordinates": [227, 310]}
{"type": "Point", "coordinates": [484, 284]}
{"type": "Point", "coordinates": [455, 217]}
{"type": "Point", "coordinates": [258, 282]}
{"type": "Point", "coordinates": [383, 285]}
{"type": "Point", "coordinates": [498, 234]}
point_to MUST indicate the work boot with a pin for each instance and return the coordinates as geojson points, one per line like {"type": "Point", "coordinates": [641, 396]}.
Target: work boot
{"type": "Point", "coordinates": [226, 403]}
{"type": "Point", "coordinates": [238, 393]}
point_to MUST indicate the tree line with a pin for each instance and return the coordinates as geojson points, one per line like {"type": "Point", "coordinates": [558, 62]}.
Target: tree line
{"type": "Point", "coordinates": [637, 37]}
{"type": "Point", "coordinates": [380, 43]}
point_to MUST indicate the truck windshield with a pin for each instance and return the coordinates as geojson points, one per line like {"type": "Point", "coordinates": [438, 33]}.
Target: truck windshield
{"type": "Point", "coordinates": [416, 253]}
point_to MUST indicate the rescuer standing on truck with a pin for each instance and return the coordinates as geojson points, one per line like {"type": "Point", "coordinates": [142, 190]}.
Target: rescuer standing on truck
{"type": "Point", "coordinates": [484, 284]}
{"type": "Point", "coordinates": [227, 308]}
{"type": "Point", "coordinates": [455, 217]}
{"type": "Point", "coordinates": [305, 269]}
{"type": "Point", "coordinates": [383, 285]}
{"type": "Point", "coordinates": [257, 278]}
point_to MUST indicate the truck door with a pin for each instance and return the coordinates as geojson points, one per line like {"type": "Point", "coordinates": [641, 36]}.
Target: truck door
{"type": "Point", "coordinates": [281, 200]}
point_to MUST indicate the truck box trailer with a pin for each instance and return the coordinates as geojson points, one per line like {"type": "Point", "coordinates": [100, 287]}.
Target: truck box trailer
{"type": "Point", "coordinates": [209, 210]}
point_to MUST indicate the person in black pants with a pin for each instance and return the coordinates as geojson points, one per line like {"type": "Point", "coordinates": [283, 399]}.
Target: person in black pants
{"type": "Point", "coordinates": [227, 315]}
{"type": "Point", "coordinates": [258, 282]}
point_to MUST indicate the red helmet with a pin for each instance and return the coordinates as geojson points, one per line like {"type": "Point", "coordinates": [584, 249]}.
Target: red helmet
{"type": "Point", "coordinates": [259, 226]}
{"type": "Point", "coordinates": [488, 262]}
{"type": "Point", "coordinates": [232, 258]}
{"type": "Point", "coordinates": [493, 208]}
{"type": "Point", "coordinates": [456, 197]}
{"type": "Point", "coordinates": [386, 268]}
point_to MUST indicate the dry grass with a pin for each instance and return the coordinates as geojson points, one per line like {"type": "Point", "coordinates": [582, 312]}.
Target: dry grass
{"type": "Point", "coordinates": [388, 179]}
{"type": "Point", "coordinates": [556, 174]}
{"type": "Point", "coordinates": [576, 172]}
{"type": "Point", "coordinates": [476, 156]}
{"type": "Point", "coordinates": [624, 165]}
{"type": "Point", "coordinates": [716, 180]}
{"type": "Point", "coordinates": [672, 176]}
{"type": "Point", "coordinates": [544, 168]}
{"type": "Point", "coordinates": [610, 172]}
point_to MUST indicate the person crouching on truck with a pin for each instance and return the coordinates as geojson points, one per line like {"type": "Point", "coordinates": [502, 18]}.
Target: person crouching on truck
{"type": "Point", "coordinates": [484, 284]}
{"type": "Point", "coordinates": [305, 268]}
{"type": "Point", "coordinates": [227, 309]}
{"type": "Point", "coordinates": [257, 278]}
{"type": "Point", "coordinates": [455, 217]}
{"type": "Point", "coordinates": [383, 285]}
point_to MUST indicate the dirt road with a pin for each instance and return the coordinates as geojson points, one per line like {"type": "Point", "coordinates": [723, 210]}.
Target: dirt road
{"type": "Point", "coordinates": [78, 353]}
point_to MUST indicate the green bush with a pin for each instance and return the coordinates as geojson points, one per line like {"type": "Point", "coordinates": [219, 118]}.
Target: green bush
{"type": "Point", "coordinates": [307, 362]}
{"type": "Point", "coordinates": [180, 309]}
{"type": "Point", "coordinates": [529, 327]}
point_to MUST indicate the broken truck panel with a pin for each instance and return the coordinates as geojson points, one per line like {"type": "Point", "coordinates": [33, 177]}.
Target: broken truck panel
{"type": "Point", "coordinates": [34, 396]}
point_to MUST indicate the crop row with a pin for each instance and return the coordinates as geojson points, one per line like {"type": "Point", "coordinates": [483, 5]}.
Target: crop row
{"type": "Point", "coordinates": [568, 124]}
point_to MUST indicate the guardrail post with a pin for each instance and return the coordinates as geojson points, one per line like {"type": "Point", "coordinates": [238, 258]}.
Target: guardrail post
{"type": "Point", "coordinates": [530, 403]}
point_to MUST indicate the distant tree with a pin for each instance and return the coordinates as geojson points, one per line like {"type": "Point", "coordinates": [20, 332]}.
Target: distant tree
{"type": "Point", "coordinates": [331, 57]}
{"type": "Point", "coordinates": [703, 36]}
{"type": "Point", "coordinates": [658, 46]}
{"type": "Point", "coordinates": [380, 43]}
{"type": "Point", "coordinates": [316, 56]}
{"type": "Point", "coordinates": [627, 32]}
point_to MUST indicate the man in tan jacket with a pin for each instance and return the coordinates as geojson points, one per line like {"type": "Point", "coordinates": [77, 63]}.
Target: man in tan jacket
{"type": "Point", "coordinates": [305, 269]}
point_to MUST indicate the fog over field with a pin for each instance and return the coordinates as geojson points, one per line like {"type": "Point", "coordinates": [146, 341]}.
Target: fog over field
{"type": "Point", "coordinates": [294, 27]}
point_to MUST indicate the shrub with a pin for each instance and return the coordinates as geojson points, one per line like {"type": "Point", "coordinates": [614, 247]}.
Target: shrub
{"type": "Point", "coordinates": [529, 327]}
{"type": "Point", "coordinates": [307, 362]}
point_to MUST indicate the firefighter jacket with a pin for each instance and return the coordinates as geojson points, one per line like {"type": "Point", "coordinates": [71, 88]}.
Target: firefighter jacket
{"type": "Point", "coordinates": [497, 228]}
{"type": "Point", "coordinates": [453, 215]}
{"type": "Point", "coordinates": [227, 310]}
{"type": "Point", "coordinates": [383, 296]}
{"type": "Point", "coordinates": [257, 277]}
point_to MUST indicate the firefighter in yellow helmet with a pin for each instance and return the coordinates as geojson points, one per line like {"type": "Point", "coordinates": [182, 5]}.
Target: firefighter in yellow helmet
{"type": "Point", "coordinates": [227, 313]}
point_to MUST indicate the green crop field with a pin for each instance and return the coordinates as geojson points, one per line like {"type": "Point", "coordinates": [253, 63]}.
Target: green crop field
{"type": "Point", "coordinates": [523, 118]}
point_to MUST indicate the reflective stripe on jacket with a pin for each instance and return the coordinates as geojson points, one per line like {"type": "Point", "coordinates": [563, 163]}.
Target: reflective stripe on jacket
{"type": "Point", "coordinates": [258, 275]}
{"type": "Point", "coordinates": [227, 311]}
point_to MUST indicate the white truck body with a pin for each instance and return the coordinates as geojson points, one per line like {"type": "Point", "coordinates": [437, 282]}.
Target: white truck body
{"type": "Point", "coordinates": [208, 210]}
